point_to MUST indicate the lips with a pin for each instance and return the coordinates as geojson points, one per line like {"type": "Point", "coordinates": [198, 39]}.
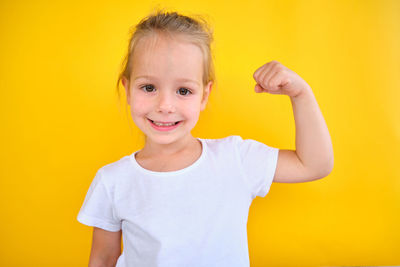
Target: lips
{"type": "Point", "coordinates": [165, 122]}
{"type": "Point", "coordinates": [165, 128]}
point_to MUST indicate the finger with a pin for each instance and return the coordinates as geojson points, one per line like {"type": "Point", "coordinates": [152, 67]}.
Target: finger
{"type": "Point", "coordinates": [258, 88]}
{"type": "Point", "coordinates": [257, 72]}
{"type": "Point", "coordinates": [267, 79]}
{"type": "Point", "coordinates": [261, 71]}
{"type": "Point", "coordinates": [280, 80]}
{"type": "Point", "coordinates": [268, 72]}
{"type": "Point", "coordinates": [275, 80]}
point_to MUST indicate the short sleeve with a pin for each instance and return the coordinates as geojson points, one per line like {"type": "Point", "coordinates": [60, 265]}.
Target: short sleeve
{"type": "Point", "coordinates": [258, 162]}
{"type": "Point", "coordinates": [97, 209]}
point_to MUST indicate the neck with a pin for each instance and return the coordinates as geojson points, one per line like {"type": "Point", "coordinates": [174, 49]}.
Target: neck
{"type": "Point", "coordinates": [164, 150]}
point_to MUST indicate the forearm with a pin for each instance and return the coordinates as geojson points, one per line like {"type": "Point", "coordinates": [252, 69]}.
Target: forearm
{"type": "Point", "coordinates": [313, 142]}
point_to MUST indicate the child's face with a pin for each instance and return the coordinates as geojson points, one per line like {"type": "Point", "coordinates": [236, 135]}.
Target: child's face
{"type": "Point", "coordinates": [172, 90]}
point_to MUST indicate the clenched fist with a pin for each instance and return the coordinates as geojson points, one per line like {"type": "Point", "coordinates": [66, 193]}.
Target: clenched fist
{"type": "Point", "coordinates": [274, 78]}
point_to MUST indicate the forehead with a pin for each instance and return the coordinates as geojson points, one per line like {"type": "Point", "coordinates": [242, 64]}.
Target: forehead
{"type": "Point", "coordinates": [167, 57]}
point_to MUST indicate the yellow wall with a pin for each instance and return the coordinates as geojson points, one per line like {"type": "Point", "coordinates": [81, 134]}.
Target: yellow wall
{"type": "Point", "coordinates": [61, 121]}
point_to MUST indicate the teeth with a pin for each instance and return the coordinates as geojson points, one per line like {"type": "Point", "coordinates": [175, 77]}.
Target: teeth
{"type": "Point", "coordinates": [164, 124]}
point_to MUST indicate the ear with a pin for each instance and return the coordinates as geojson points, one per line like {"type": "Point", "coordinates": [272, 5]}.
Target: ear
{"type": "Point", "coordinates": [125, 83]}
{"type": "Point", "coordinates": [206, 94]}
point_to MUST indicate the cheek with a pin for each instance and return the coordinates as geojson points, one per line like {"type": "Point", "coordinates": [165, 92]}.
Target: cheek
{"type": "Point", "coordinates": [139, 105]}
{"type": "Point", "coordinates": [193, 109]}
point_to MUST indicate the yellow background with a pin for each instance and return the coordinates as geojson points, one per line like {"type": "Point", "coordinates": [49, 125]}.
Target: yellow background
{"type": "Point", "coordinates": [61, 121]}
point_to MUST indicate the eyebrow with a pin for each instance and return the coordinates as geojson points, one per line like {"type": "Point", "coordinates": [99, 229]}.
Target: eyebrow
{"type": "Point", "coordinates": [181, 79]}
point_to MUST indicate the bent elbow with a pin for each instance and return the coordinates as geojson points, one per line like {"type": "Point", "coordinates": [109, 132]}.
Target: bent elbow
{"type": "Point", "coordinates": [327, 170]}
{"type": "Point", "coordinates": [323, 172]}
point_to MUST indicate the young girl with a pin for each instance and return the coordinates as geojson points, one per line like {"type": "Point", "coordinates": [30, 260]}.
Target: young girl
{"type": "Point", "coordinates": [181, 200]}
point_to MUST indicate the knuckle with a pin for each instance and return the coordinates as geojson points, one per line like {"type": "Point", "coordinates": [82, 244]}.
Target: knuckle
{"type": "Point", "coordinates": [265, 81]}
{"type": "Point", "coordinates": [281, 70]}
{"type": "Point", "coordinates": [271, 84]}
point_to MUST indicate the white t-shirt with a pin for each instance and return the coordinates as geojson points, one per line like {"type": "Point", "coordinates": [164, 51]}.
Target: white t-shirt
{"type": "Point", "coordinates": [196, 216]}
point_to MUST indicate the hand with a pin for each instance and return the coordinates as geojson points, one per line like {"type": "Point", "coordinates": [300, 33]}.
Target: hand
{"type": "Point", "coordinates": [274, 78]}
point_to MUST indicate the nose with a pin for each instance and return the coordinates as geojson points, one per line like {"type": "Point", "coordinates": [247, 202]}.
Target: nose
{"type": "Point", "coordinates": [165, 102]}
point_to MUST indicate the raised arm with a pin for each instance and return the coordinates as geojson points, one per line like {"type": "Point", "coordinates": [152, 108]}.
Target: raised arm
{"type": "Point", "coordinates": [313, 157]}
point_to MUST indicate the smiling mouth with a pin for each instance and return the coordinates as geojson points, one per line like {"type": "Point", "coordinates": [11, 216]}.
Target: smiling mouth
{"type": "Point", "coordinates": [164, 123]}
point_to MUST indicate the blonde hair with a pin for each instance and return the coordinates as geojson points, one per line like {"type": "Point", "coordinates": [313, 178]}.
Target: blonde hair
{"type": "Point", "coordinates": [196, 31]}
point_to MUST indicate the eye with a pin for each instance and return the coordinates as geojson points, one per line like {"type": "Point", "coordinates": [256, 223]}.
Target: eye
{"type": "Point", "coordinates": [148, 87]}
{"type": "Point", "coordinates": [185, 91]}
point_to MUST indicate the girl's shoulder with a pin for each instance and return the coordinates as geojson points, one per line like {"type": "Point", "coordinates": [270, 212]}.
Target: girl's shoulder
{"type": "Point", "coordinates": [233, 141]}
{"type": "Point", "coordinates": [239, 143]}
{"type": "Point", "coordinates": [226, 144]}
{"type": "Point", "coordinates": [114, 169]}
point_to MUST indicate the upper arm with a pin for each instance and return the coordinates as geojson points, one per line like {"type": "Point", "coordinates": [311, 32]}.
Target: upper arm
{"type": "Point", "coordinates": [106, 247]}
{"type": "Point", "coordinates": [290, 169]}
